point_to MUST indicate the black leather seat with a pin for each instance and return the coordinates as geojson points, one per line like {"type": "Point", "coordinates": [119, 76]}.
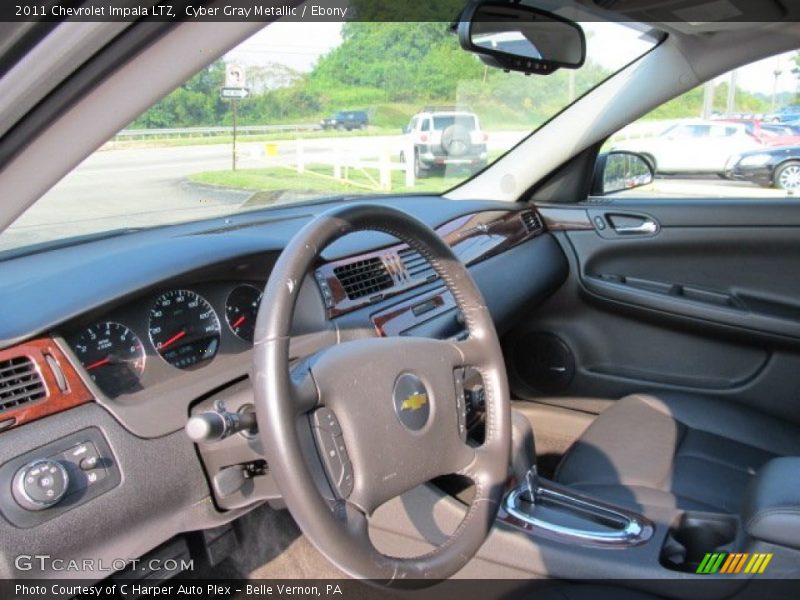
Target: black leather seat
{"type": "Point", "coordinates": [673, 450]}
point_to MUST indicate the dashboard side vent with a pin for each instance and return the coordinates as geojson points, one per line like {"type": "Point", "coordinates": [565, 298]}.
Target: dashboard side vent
{"type": "Point", "coordinates": [20, 383]}
{"type": "Point", "coordinates": [417, 266]}
{"type": "Point", "coordinates": [532, 221]}
{"type": "Point", "coordinates": [363, 277]}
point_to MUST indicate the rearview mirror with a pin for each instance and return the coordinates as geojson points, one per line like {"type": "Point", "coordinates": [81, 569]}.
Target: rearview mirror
{"type": "Point", "coordinates": [619, 171]}
{"type": "Point", "coordinates": [521, 38]}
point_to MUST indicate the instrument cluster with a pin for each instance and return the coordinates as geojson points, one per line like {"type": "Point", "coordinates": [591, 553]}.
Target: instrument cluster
{"type": "Point", "coordinates": [176, 329]}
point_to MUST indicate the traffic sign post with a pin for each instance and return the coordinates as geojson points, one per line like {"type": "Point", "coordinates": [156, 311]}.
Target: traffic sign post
{"type": "Point", "coordinates": [234, 90]}
{"type": "Point", "coordinates": [235, 103]}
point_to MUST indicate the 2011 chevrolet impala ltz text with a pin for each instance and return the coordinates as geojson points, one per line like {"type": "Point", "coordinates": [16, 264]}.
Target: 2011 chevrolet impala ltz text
{"type": "Point", "coordinates": [380, 298]}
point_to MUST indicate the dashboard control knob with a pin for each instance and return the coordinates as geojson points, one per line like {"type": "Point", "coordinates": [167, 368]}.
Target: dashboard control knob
{"type": "Point", "coordinates": [215, 425]}
{"type": "Point", "coordinates": [40, 484]}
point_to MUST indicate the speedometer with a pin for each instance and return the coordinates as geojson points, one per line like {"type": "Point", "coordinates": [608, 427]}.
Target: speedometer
{"type": "Point", "coordinates": [112, 355]}
{"type": "Point", "coordinates": [184, 329]}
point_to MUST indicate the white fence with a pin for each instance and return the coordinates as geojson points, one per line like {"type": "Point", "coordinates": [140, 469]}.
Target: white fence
{"type": "Point", "coordinates": [374, 162]}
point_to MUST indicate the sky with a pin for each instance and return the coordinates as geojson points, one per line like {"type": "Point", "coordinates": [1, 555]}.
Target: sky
{"type": "Point", "coordinates": [298, 45]}
{"type": "Point", "coordinates": [760, 76]}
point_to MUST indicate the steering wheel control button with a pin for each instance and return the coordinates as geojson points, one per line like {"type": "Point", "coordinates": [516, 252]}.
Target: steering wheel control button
{"type": "Point", "coordinates": [40, 484]}
{"type": "Point", "coordinates": [411, 402]}
{"type": "Point", "coordinates": [333, 451]}
{"type": "Point", "coordinates": [461, 403]}
{"type": "Point", "coordinates": [325, 419]}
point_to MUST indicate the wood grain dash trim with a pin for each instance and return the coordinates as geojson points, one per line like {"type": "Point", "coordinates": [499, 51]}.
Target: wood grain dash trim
{"type": "Point", "coordinates": [565, 219]}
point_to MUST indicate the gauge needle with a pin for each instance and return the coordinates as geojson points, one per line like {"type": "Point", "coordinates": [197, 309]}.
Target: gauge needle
{"type": "Point", "coordinates": [99, 363]}
{"type": "Point", "coordinates": [172, 340]}
{"type": "Point", "coordinates": [239, 321]}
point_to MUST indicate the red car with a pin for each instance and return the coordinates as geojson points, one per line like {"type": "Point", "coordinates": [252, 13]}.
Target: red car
{"type": "Point", "coordinates": [769, 134]}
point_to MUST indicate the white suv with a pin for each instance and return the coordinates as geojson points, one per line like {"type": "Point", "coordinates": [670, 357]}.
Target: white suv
{"type": "Point", "coordinates": [444, 136]}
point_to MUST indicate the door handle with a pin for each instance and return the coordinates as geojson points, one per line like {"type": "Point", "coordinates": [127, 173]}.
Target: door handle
{"type": "Point", "coordinates": [646, 227]}
{"type": "Point", "coordinates": [632, 224]}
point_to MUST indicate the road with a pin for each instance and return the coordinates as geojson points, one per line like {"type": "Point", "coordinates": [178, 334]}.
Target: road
{"type": "Point", "coordinates": [130, 187]}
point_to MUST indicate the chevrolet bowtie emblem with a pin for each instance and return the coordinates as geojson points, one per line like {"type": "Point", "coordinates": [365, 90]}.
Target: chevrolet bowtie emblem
{"type": "Point", "coordinates": [414, 402]}
{"type": "Point", "coordinates": [411, 402]}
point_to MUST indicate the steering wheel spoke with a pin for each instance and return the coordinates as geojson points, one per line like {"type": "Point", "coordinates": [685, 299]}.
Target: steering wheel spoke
{"type": "Point", "coordinates": [303, 389]}
{"type": "Point", "coordinates": [470, 352]}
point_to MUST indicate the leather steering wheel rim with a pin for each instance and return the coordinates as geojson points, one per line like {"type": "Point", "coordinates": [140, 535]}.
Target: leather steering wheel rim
{"type": "Point", "coordinates": [284, 401]}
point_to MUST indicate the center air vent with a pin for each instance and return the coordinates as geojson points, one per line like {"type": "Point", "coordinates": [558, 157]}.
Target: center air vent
{"type": "Point", "coordinates": [417, 266]}
{"type": "Point", "coordinates": [363, 277]}
{"type": "Point", "coordinates": [20, 383]}
{"type": "Point", "coordinates": [532, 221]}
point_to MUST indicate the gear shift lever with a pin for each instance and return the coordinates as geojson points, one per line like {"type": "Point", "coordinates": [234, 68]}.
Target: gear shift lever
{"type": "Point", "coordinates": [523, 454]}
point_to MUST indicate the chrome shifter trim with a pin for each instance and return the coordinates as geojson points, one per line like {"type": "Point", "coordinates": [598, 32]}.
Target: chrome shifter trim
{"type": "Point", "coordinates": [625, 528]}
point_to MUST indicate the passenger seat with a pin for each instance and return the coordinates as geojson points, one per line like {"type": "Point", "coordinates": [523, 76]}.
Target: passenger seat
{"type": "Point", "coordinates": [681, 451]}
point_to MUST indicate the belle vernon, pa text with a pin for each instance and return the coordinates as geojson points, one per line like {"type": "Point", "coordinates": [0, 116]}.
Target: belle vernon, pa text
{"type": "Point", "coordinates": [211, 589]}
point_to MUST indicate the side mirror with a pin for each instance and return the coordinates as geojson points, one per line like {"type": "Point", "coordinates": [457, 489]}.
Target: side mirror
{"type": "Point", "coordinates": [620, 170]}
{"type": "Point", "coordinates": [517, 37]}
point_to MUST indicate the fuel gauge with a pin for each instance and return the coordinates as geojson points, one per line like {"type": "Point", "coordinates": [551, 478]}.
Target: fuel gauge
{"type": "Point", "coordinates": [241, 310]}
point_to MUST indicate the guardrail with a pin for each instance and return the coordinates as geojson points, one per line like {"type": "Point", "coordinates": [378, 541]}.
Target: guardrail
{"type": "Point", "coordinates": [132, 134]}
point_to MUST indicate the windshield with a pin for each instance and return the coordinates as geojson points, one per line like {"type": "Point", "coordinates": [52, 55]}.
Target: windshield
{"type": "Point", "coordinates": [254, 130]}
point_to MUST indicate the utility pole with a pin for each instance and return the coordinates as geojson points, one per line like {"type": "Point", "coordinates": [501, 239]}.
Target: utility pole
{"type": "Point", "coordinates": [731, 108]}
{"type": "Point", "coordinates": [708, 99]}
{"type": "Point", "coordinates": [572, 93]}
{"type": "Point", "coordinates": [777, 73]}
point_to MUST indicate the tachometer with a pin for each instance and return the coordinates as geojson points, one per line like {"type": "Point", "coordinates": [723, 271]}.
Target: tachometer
{"type": "Point", "coordinates": [241, 310]}
{"type": "Point", "coordinates": [184, 329]}
{"type": "Point", "coordinates": [113, 356]}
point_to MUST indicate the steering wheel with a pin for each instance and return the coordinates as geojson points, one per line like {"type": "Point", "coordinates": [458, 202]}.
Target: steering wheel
{"type": "Point", "coordinates": [384, 410]}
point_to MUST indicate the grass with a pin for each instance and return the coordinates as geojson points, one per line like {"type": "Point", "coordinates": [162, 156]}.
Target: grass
{"type": "Point", "coordinates": [319, 178]}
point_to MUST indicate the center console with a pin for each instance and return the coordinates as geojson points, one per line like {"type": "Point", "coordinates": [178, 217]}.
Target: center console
{"type": "Point", "coordinates": [543, 508]}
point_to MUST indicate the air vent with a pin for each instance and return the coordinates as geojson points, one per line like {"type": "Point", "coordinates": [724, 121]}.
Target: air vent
{"type": "Point", "coordinates": [417, 266]}
{"type": "Point", "coordinates": [532, 221]}
{"type": "Point", "coordinates": [20, 383]}
{"type": "Point", "coordinates": [363, 277]}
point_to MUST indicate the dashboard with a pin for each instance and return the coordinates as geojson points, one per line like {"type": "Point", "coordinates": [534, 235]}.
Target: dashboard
{"type": "Point", "coordinates": [117, 342]}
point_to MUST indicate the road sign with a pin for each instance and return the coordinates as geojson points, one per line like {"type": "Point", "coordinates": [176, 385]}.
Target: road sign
{"type": "Point", "coordinates": [231, 92]}
{"type": "Point", "coordinates": [235, 76]}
